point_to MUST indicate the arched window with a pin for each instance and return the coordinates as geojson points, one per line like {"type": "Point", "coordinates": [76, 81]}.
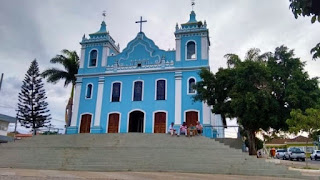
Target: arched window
{"type": "Point", "coordinates": [161, 90]}
{"type": "Point", "coordinates": [137, 91]}
{"type": "Point", "coordinates": [116, 88]}
{"type": "Point", "coordinates": [89, 91]}
{"type": "Point", "coordinates": [93, 58]}
{"type": "Point", "coordinates": [191, 50]}
{"type": "Point", "coordinates": [191, 83]}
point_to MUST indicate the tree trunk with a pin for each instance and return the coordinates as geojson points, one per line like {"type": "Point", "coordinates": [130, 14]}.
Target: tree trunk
{"type": "Point", "coordinates": [252, 142]}
{"type": "Point", "coordinates": [68, 113]}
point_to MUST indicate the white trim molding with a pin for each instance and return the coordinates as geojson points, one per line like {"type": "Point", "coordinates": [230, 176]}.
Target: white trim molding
{"type": "Point", "coordinates": [82, 56]}
{"type": "Point", "coordinates": [142, 93]}
{"type": "Point", "coordinates": [186, 51]}
{"type": "Point", "coordinates": [204, 47]}
{"type": "Point", "coordinates": [178, 49]}
{"type": "Point", "coordinates": [89, 58]}
{"type": "Point", "coordinates": [77, 95]}
{"type": "Point", "coordinates": [97, 118]}
{"type": "Point", "coordinates": [178, 98]}
{"type": "Point", "coordinates": [91, 123]}
{"type": "Point", "coordinates": [105, 52]}
{"type": "Point", "coordinates": [119, 125]}
{"type": "Point", "coordinates": [195, 81]}
{"type": "Point", "coordinates": [155, 89]}
{"type": "Point", "coordinates": [153, 119]}
{"type": "Point", "coordinates": [206, 113]}
{"type": "Point", "coordinates": [112, 91]}
{"type": "Point", "coordinates": [144, 119]}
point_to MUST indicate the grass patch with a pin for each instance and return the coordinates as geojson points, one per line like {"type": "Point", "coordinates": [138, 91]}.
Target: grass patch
{"type": "Point", "coordinates": [306, 167]}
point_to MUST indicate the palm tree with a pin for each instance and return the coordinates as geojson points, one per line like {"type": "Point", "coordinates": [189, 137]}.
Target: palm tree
{"type": "Point", "coordinates": [70, 61]}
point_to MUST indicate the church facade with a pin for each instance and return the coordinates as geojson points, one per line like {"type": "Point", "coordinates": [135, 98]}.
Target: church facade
{"type": "Point", "coordinates": [143, 88]}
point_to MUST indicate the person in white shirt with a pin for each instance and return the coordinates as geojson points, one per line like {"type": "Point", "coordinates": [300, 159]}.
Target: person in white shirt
{"type": "Point", "coordinates": [171, 129]}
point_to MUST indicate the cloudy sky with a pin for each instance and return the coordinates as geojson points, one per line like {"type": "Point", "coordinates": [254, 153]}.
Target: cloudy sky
{"type": "Point", "coordinates": [41, 29]}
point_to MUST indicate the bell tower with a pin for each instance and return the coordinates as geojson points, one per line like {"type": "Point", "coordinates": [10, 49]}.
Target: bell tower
{"type": "Point", "coordinates": [192, 40]}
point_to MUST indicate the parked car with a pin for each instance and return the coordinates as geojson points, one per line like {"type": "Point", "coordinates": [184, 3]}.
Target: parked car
{"type": "Point", "coordinates": [315, 155]}
{"type": "Point", "coordinates": [295, 153]}
{"type": "Point", "coordinates": [280, 153]}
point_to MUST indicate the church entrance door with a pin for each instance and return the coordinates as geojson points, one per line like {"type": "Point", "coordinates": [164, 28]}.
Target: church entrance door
{"type": "Point", "coordinates": [85, 123]}
{"type": "Point", "coordinates": [113, 124]}
{"type": "Point", "coordinates": [136, 119]}
{"type": "Point", "coordinates": [191, 118]}
{"type": "Point", "coordinates": [160, 122]}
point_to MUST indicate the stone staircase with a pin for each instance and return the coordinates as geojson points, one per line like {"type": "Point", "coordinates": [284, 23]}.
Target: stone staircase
{"type": "Point", "coordinates": [231, 142]}
{"type": "Point", "coordinates": [135, 152]}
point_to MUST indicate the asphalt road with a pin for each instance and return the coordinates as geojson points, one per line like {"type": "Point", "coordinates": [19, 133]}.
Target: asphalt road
{"type": "Point", "coordinates": [313, 163]}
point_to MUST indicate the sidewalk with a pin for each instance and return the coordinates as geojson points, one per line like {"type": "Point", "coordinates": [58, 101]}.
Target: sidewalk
{"type": "Point", "coordinates": [30, 174]}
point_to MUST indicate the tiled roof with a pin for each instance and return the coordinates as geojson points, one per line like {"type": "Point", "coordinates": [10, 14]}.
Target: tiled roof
{"type": "Point", "coordinates": [298, 139]}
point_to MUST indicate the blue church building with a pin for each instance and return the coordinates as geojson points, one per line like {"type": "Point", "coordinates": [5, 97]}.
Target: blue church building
{"type": "Point", "coordinates": [143, 88]}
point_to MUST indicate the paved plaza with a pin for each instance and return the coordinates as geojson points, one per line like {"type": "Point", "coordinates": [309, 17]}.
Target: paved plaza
{"type": "Point", "coordinates": [29, 174]}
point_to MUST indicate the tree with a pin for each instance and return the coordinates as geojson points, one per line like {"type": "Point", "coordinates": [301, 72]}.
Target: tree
{"type": "Point", "coordinates": [259, 91]}
{"type": "Point", "coordinates": [315, 52]}
{"type": "Point", "coordinates": [306, 121]}
{"type": "Point", "coordinates": [32, 107]}
{"type": "Point", "coordinates": [308, 8]}
{"type": "Point", "coordinates": [70, 62]}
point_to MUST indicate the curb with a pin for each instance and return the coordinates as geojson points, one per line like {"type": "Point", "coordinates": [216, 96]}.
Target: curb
{"type": "Point", "coordinates": [304, 170]}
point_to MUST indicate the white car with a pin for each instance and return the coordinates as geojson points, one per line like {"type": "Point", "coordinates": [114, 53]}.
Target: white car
{"type": "Point", "coordinates": [280, 153]}
{"type": "Point", "coordinates": [295, 153]}
{"type": "Point", "coordinates": [315, 155]}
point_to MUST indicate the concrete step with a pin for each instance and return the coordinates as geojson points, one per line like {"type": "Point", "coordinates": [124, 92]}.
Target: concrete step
{"type": "Point", "coordinates": [134, 152]}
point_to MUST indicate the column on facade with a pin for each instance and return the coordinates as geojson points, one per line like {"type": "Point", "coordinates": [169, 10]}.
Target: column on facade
{"type": "Point", "coordinates": [206, 114]}
{"type": "Point", "coordinates": [178, 98]}
{"type": "Point", "coordinates": [105, 52]}
{"type": "Point", "coordinates": [76, 103]}
{"type": "Point", "coordinates": [99, 102]}
{"type": "Point", "coordinates": [82, 56]}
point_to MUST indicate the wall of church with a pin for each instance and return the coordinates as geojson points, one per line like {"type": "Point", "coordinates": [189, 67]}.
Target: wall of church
{"type": "Point", "coordinates": [187, 101]}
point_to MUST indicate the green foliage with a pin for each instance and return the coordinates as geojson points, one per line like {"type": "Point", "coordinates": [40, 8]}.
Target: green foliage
{"type": "Point", "coordinates": [315, 52]}
{"type": "Point", "coordinates": [32, 107]}
{"type": "Point", "coordinates": [307, 121]}
{"type": "Point", "coordinates": [70, 62]}
{"type": "Point", "coordinates": [306, 8]}
{"type": "Point", "coordinates": [259, 91]}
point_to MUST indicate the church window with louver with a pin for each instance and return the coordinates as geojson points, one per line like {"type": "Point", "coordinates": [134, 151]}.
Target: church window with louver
{"type": "Point", "coordinates": [116, 88]}
{"type": "Point", "coordinates": [161, 90]}
{"type": "Point", "coordinates": [137, 91]}
{"type": "Point", "coordinates": [191, 50]}
{"type": "Point", "coordinates": [191, 83]}
{"type": "Point", "coordinates": [89, 91]}
{"type": "Point", "coordinates": [93, 58]}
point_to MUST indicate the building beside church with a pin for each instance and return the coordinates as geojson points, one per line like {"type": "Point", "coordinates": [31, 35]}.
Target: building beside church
{"type": "Point", "coordinates": [143, 88]}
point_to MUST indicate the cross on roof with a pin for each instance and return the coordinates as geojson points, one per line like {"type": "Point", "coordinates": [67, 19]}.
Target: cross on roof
{"type": "Point", "coordinates": [193, 4]}
{"type": "Point", "coordinates": [141, 21]}
{"type": "Point", "coordinates": [104, 14]}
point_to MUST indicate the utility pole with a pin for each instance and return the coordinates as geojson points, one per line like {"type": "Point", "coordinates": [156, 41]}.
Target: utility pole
{"type": "Point", "coordinates": [15, 127]}
{"type": "Point", "coordinates": [1, 80]}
